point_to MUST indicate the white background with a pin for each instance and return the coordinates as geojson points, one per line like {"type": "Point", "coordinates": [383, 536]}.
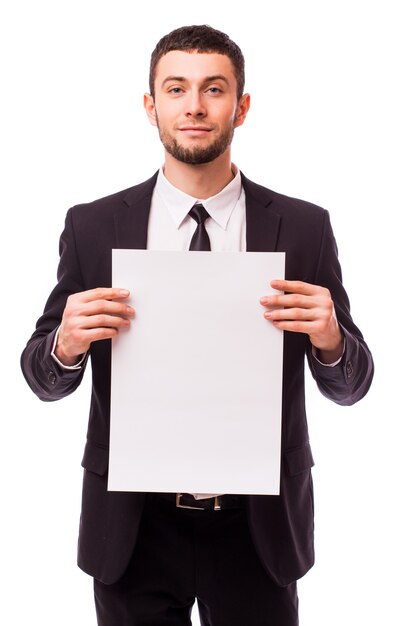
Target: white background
{"type": "Point", "coordinates": [333, 121]}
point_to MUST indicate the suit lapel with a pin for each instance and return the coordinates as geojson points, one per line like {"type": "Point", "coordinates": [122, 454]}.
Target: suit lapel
{"type": "Point", "coordinates": [262, 218]}
{"type": "Point", "coordinates": [131, 224]}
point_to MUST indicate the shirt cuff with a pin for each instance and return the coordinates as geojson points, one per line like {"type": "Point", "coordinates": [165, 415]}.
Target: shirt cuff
{"type": "Point", "coordinates": [77, 366]}
{"type": "Point", "coordinates": [329, 364]}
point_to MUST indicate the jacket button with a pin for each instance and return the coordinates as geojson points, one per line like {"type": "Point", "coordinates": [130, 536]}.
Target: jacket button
{"type": "Point", "coordinates": [349, 369]}
{"type": "Point", "coordinates": [52, 378]}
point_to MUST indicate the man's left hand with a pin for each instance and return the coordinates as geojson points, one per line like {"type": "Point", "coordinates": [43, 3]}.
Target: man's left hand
{"type": "Point", "coordinates": [306, 308]}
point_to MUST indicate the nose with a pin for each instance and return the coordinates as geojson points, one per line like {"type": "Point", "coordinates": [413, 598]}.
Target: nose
{"type": "Point", "coordinates": [195, 105]}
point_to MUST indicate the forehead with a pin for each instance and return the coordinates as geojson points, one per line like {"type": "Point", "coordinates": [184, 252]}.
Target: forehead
{"type": "Point", "coordinates": [194, 66]}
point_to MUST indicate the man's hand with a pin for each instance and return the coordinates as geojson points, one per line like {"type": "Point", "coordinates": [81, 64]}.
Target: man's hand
{"type": "Point", "coordinates": [91, 316]}
{"type": "Point", "coordinates": [306, 308]}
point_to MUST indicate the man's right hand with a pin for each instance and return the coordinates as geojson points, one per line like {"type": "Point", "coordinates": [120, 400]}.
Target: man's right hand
{"type": "Point", "coordinates": [91, 316]}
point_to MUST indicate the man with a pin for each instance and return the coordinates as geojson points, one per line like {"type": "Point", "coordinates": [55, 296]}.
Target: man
{"type": "Point", "coordinates": [150, 554]}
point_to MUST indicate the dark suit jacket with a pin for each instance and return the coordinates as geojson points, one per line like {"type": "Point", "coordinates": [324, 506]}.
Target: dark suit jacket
{"type": "Point", "coordinates": [281, 526]}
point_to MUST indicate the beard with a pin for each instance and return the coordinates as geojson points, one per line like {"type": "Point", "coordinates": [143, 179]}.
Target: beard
{"type": "Point", "coordinates": [197, 155]}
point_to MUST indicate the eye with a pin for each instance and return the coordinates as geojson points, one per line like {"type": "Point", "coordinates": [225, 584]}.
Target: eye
{"type": "Point", "coordinates": [175, 90]}
{"type": "Point", "coordinates": [214, 90]}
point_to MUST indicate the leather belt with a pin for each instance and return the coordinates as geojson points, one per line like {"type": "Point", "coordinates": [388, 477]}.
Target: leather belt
{"type": "Point", "coordinates": [217, 503]}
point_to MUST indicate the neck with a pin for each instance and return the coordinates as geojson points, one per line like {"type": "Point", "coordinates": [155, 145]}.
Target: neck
{"type": "Point", "coordinates": [199, 181]}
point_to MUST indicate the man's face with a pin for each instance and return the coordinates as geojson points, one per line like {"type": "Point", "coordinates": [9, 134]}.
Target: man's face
{"type": "Point", "coordinates": [195, 105]}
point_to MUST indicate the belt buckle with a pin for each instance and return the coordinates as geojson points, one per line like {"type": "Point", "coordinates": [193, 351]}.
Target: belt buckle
{"type": "Point", "coordinates": [178, 496]}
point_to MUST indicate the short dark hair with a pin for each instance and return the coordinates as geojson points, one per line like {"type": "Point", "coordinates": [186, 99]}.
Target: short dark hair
{"type": "Point", "coordinates": [201, 38]}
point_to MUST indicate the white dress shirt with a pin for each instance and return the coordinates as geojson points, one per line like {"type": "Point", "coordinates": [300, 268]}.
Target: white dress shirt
{"type": "Point", "coordinates": [171, 228]}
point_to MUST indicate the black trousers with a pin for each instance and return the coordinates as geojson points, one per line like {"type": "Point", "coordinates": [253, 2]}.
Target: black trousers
{"type": "Point", "coordinates": [183, 555]}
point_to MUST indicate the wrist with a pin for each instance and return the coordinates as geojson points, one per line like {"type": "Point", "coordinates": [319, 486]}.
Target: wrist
{"type": "Point", "coordinates": [331, 354]}
{"type": "Point", "coordinates": [61, 356]}
{"type": "Point", "coordinates": [69, 361]}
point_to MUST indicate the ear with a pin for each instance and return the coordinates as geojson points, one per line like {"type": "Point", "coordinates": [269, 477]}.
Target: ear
{"type": "Point", "coordinates": [149, 104]}
{"type": "Point", "coordinates": [242, 110]}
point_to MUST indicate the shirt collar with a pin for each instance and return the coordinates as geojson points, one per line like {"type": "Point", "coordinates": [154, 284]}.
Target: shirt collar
{"type": "Point", "coordinates": [219, 207]}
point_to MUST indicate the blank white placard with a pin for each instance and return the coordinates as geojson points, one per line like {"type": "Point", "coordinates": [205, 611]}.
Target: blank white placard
{"type": "Point", "coordinates": [197, 379]}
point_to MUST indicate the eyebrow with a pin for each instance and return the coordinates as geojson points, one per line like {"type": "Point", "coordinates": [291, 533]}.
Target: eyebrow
{"type": "Point", "coordinates": [182, 79]}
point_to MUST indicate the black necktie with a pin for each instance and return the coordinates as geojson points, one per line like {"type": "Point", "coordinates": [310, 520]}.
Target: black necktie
{"type": "Point", "coordinates": [200, 240]}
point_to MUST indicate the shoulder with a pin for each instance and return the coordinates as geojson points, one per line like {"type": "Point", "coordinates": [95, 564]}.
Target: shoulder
{"type": "Point", "coordinates": [284, 205]}
{"type": "Point", "coordinates": [113, 203]}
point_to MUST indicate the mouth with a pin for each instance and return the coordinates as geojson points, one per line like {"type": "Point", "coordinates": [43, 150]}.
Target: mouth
{"type": "Point", "coordinates": [195, 130]}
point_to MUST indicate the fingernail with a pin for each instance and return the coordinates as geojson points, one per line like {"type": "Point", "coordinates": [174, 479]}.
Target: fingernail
{"type": "Point", "coordinates": [264, 300]}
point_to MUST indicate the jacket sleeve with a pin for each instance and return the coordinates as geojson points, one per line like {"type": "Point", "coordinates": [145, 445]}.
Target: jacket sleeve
{"type": "Point", "coordinates": [349, 381]}
{"type": "Point", "coordinates": [43, 374]}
